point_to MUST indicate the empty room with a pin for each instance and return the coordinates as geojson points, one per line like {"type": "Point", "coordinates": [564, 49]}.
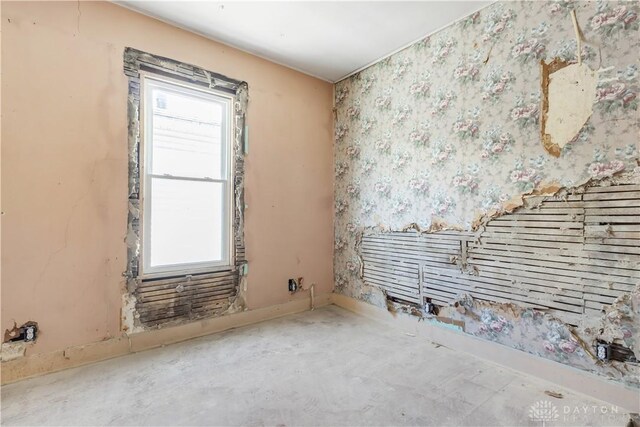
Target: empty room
{"type": "Point", "coordinates": [329, 213]}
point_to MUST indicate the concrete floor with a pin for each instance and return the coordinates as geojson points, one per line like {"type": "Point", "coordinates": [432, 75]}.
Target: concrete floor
{"type": "Point", "coordinates": [328, 367]}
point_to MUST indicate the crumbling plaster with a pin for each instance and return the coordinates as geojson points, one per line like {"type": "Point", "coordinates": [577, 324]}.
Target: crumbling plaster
{"type": "Point", "coordinates": [445, 135]}
{"type": "Point", "coordinates": [136, 61]}
{"type": "Point", "coordinates": [543, 335]}
{"type": "Point", "coordinates": [568, 91]}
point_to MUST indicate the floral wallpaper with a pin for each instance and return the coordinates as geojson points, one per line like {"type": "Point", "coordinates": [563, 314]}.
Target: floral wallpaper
{"type": "Point", "coordinates": [542, 335]}
{"type": "Point", "coordinates": [448, 128]}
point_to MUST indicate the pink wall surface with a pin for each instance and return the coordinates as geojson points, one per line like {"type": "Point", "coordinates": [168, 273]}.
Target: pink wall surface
{"type": "Point", "coordinates": [64, 166]}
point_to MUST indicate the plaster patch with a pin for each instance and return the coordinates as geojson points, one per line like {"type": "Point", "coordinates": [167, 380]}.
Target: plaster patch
{"type": "Point", "coordinates": [13, 350]}
{"type": "Point", "coordinates": [237, 304]}
{"type": "Point", "coordinates": [129, 317]}
{"type": "Point", "coordinates": [569, 91]}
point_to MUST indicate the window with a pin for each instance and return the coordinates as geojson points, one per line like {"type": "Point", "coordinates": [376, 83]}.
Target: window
{"type": "Point", "coordinates": [186, 178]}
{"type": "Point", "coordinates": [185, 223]}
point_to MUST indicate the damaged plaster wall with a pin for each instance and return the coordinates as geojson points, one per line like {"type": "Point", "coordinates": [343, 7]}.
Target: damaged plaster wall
{"type": "Point", "coordinates": [160, 301]}
{"type": "Point", "coordinates": [544, 335]}
{"type": "Point", "coordinates": [64, 144]}
{"type": "Point", "coordinates": [447, 133]}
{"type": "Point", "coordinates": [570, 261]}
{"type": "Point", "coordinates": [568, 91]}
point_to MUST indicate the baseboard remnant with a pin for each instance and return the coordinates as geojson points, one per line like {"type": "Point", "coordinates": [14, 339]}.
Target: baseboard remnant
{"type": "Point", "coordinates": [45, 363]}
{"type": "Point", "coordinates": [548, 370]}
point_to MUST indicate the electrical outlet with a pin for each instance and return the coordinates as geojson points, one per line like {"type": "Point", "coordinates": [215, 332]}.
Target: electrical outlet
{"type": "Point", "coordinates": [293, 285]}
{"type": "Point", "coordinates": [30, 333]}
{"type": "Point", "coordinates": [27, 332]}
{"type": "Point", "coordinates": [430, 308]}
{"type": "Point", "coordinates": [603, 351]}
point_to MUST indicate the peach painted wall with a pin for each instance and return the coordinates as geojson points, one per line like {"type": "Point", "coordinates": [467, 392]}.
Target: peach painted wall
{"type": "Point", "coordinates": [64, 166]}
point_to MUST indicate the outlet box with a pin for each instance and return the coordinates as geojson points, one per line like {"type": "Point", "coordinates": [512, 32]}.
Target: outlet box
{"type": "Point", "coordinates": [603, 351]}
{"type": "Point", "coordinates": [27, 332]}
{"type": "Point", "coordinates": [293, 285]}
{"type": "Point", "coordinates": [430, 308]}
{"type": "Point", "coordinates": [30, 333]}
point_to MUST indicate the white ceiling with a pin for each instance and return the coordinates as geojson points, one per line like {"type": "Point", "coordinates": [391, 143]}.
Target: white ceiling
{"type": "Point", "coordinates": [329, 40]}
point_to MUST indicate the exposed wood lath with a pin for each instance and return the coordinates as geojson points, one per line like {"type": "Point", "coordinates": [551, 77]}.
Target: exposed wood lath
{"type": "Point", "coordinates": [198, 295]}
{"type": "Point", "coordinates": [393, 261]}
{"type": "Point", "coordinates": [569, 257]}
{"type": "Point", "coordinates": [185, 297]}
{"type": "Point", "coordinates": [162, 300]}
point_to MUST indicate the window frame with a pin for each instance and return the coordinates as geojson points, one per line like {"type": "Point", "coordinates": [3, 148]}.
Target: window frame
{"type": "Point", "coordinates": [184, 269]}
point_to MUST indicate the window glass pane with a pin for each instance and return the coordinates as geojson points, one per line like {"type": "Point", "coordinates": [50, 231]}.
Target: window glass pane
{"type": "Point", "coordinates": [186, 222]}
{"type": "Point", "coordinates": [187, 135]}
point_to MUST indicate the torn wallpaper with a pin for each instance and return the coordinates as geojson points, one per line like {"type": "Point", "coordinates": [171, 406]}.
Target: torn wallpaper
{"type": "Point", "coordinates": [448, 129]}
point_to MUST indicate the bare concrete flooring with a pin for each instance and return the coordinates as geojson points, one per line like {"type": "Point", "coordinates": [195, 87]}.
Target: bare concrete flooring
{"type": "Point", "coordinates": [327, 367]}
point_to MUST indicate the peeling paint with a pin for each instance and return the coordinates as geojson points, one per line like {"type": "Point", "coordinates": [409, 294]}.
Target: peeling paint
{"type": "Point", "coordinates": [436, 224]}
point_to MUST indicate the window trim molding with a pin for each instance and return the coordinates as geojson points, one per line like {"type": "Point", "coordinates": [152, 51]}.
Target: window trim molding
{"type": "Point", "coordinates": [139, 65]}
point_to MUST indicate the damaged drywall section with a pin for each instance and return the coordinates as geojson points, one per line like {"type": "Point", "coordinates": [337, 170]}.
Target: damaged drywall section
{"type": "Point", "coordinates": [16, 339]}
{"type": "Point", "coordinates": [26, 332]}
{"type": "Point", "coordinates": [168, 301]}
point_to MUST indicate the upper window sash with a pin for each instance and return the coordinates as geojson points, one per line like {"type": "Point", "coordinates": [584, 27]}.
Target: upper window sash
{"type": "Point", "coordinates": [221, 100]}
